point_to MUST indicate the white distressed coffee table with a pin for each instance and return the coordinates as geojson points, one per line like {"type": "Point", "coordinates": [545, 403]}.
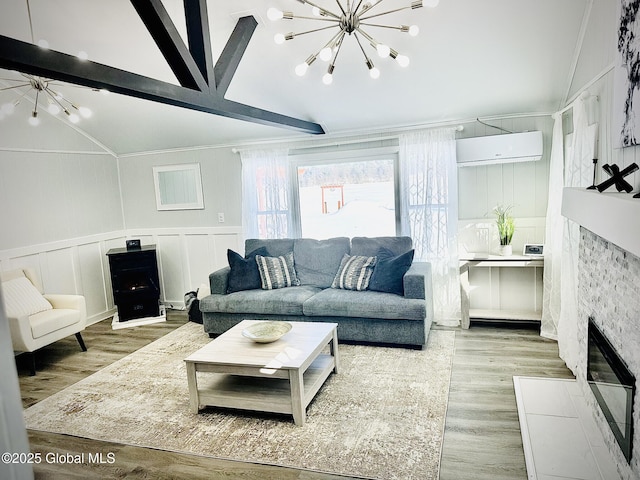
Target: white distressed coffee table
{"type": "Point", "coordinates": [281, 377]}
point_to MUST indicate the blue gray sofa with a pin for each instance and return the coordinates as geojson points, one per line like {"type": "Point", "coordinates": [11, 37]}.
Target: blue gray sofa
{"type": "Point", "coordinates": [403, 317]}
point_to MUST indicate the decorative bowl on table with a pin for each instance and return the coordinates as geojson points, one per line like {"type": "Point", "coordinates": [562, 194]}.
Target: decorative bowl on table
{"type": "Point", "coordinates": [266, 332]}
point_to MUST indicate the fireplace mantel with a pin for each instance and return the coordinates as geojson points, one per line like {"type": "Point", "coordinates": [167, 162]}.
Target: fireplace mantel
{"type": "Point", "coordinates": [612, 216]}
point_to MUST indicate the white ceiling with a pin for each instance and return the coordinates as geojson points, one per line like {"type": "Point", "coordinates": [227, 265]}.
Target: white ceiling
{"type": "Point", "coordinates": [471, 59]}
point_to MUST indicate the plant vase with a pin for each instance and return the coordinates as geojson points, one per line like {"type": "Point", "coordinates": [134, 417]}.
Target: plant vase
{"type": "Point", "coordinates": [506, 228]}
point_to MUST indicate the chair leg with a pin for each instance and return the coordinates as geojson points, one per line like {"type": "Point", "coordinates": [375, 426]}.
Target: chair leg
{"type": "Point", "coordinates": [81, 342]}
{"type": "Point", "coordinates": [32, 357]}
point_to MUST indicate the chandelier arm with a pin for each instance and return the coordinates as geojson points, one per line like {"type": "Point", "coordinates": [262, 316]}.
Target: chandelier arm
{"type": "Point", "coordinates": [381, 26]}
{"type": "Point", "coordinates": [339, 43]}
{"type": "Point", "coordinates": [333, 40]}
{"type": "Point", "coordinates": [335, 20]}
{"type": "Point", "coordinates": [341, 7]}
{"type": "Point", "coordinates": [30, 22]}
{"type": "Point", "coordinates": [387, 12]}
{"type": "Point", "coordinates": [321, 9]}
{"type": "Point", "coordinates": [35, 107]}
{"type": "Point", "coordinates": [368, 7]}
{"type": "Point", "coordinates": [366, 35]}
{"type": "Point", "coordinates": [15, 86]}
{"type": "Point", "coordinates": [355, 10]}
{"type": "Point", "coordinates": [12, 80]}
{"type": "Point", "coordinates": [53, 94]}
{"type": "Point", "coordinates": [55, 99]}
{"type": "Point", "coordinates": [314, 30]}
{"type": "Point", "coordinates": [366, 57]}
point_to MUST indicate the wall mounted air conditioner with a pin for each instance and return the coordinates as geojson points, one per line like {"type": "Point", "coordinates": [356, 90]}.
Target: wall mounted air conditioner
{"type": "Point", "coordinates": [506, 148]}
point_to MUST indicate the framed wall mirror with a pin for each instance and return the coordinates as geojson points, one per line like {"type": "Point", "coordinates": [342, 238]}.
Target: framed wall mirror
{"type": "Point", "coordinates": [178, 187]}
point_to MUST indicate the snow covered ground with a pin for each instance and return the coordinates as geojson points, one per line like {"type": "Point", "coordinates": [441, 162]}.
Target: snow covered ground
{"type": "Point", "coordinates": [368, 211]}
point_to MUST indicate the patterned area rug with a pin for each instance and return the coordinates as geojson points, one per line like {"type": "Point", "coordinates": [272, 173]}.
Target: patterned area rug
{"type": "Point", "coordinates": [381, 417]}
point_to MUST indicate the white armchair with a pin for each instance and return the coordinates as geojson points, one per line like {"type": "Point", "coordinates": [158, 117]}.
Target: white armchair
{"type": "Point", "coordinates": [37, 320]}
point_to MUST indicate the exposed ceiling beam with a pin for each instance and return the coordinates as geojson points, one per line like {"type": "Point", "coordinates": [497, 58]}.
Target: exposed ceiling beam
{"type": "Point", "coordinates": [199, 37]}
{"type": "Point", "coordinates": [28, 58]}
{"type": "Point", "coordinates": [233, 51]}
{"type": "Point", "coordinates": [168, 39]}
{"type": "Point", "coordinates": [202, 86]}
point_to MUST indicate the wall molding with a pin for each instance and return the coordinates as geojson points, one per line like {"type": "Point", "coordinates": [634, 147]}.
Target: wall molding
{"type": "Point", "coordinates": [186, 257]}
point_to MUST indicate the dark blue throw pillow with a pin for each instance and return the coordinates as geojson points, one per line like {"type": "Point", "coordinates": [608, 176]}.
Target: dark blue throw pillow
{"type": "Point", "coordinates": [389, 271]}
{"type": "Point", "coordinates": [244, 274]}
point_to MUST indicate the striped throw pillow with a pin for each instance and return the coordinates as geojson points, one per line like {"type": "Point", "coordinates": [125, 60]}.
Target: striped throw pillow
{"type": "Point", "coordinates": [22, 298]}
{"type": "Point", "coordinates": [354, 272]}
{"type": "Point", "coordinates": [277, 272]}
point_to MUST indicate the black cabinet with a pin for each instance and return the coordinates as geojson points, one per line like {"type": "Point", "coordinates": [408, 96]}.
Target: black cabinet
{"type": "Point", "coordinates": [135, 282]}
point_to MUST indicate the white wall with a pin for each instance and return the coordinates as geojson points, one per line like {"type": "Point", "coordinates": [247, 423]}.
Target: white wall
{"type": "Point", "coordinates": [61, 209]}
{"type": "Point", "coordinates": [220, 169]}
{"type": "Point", "coordinates": [48, 197]}
{"type": "Point", "coordinates": [595, 72]}
{"type": "Point", "coordinates": [524, 186]}
{"type": "Point", "coordinates": [595, 75]}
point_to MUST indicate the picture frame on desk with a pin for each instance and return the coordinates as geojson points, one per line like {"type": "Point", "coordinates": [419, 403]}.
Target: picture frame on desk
{"type": "Point", "coordinates": [533, 250]}
{"type": "Point", "coordinates": [133, 244]}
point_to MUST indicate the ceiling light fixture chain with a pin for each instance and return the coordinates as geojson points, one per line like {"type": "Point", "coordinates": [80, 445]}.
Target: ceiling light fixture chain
{"type": "Point", "coordinates": [350, 22]}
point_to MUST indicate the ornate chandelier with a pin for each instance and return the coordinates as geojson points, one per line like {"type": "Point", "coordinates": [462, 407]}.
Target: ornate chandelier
{"type": "Point", "coordinates": [350, 20]}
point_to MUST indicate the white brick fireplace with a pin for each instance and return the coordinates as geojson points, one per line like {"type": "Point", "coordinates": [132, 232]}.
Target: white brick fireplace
{"type": "Point", "coordinates": [609, 291]}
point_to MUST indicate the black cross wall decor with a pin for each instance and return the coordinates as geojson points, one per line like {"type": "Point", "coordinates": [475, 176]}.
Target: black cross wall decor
{"type": "Point", "coordinates": [202, 84]}
{"type": "Point", "coordinates": [617, 177]}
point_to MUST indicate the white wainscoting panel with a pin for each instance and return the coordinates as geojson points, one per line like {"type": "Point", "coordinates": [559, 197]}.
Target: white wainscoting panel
{"type": "Point", "coordinates": [59, 272]}
{"type": "Point", "coordinates": [171, 266]}
{"type": "Point", "coordinates": [74, 266]}
{"type": "Point", "coordinates": [92, 277]}
{"type": "Point", "coordinates": [186, 257]}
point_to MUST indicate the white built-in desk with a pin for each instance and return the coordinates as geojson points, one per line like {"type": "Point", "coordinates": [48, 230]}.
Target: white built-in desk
{"type": "Point", "coordinates": [492, 289]}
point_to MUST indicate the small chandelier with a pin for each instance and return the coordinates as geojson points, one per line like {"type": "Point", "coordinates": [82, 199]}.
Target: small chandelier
{"type": "Point", "coordinates": [56, 103]}
{"type": "Point", "coordinates": [349, 21]}
{"type": "Point", "coordinates": [42, 88]}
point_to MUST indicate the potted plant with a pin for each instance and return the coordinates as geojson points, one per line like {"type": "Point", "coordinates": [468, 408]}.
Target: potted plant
{"type": "Point", "coordinates": [506, 226]}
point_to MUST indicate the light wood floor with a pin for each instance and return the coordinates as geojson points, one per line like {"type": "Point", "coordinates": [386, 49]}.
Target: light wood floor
{"type": "Point", "coordinates": [482, 436]}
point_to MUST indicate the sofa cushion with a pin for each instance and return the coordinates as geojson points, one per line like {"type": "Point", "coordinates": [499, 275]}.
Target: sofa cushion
{"type": "Point", "coordinates": [283, 301]}
{"type": "Point", "coordinates": [22, 298]}
{"type": "Point", "coordinates": [349, 303]}
{"type": "Point", "coordinates": [44, 323]}
{"type": "Point", "coordinates": [389, 271]}
{"type": "Point", "coordinates": [369, 246]}
{"type": "Point", "coordinates": [317, 261]}
{"type": "Point", "coordinates": [277, 272]}
{"type": "Point", "coordinates": [275, 247]}
{"type": "Point", "coordinates": [354, 273]}
{"type": "Point", "coordinates": [244, 274]}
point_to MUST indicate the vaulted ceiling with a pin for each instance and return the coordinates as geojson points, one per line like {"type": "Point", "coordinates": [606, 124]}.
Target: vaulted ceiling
{"type": "Point", "coordinates": [471, 59]}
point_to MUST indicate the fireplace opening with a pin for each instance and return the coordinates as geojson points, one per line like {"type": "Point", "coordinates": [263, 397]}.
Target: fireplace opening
{"type": "Point", "coordinates": [613, 386]}
{"type": "Point", "coordinates": [137, 279]}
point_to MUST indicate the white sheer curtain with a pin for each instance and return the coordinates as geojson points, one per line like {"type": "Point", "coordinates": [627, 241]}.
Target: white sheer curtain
{"type": "Point", "coordinates": [266, 194]}
{"type": "Point", "coordinates": [560, 304]}
{"type": "Point", "coordinates": [429, 212]}
{"type": "Point", "coordinates": [554, 229]}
